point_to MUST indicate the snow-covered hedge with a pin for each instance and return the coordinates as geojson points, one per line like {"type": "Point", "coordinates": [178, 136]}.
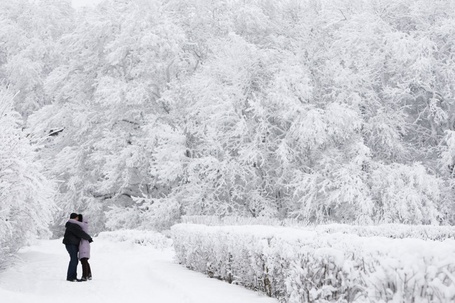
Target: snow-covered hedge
{"type": "Point", "coordinates": [297, 265]}
{"type": "Point", "coordinates": [236, 220]}
{"type": "Point", "coordinates": [141, 237]}
{"type": "Point", "coordinates": [395, 231]}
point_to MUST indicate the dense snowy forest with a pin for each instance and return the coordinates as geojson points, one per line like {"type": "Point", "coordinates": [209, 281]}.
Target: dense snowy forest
{"type": "Point", "coordinates": [137, 113]}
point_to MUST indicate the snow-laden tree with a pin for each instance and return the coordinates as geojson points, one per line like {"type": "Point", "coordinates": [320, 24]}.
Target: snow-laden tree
{"type": "Point", "coordinates": [447, 165]}
{"type": "Point", "coordinates": [296, 123]}
{"type": "Point", "coordinates": [29, 31]}
{"type": "Point", "coordinates": [116, 64]}
{"type": "Point", "coordinates": [26, 196]}
{"type": "Point", "coordinates": [314, 110]}
{"type": "Point", "coordinates": [329, 176]}
{"type": "Point", "coordinates": [405, 194]}
{"type": "Point", "coordinates": [221, 175]}
{"type": "Point", "coordinates": [394, 66]}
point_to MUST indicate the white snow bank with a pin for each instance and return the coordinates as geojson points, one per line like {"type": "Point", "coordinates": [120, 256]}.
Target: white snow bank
{"type": "Point", "coordinates": [297, 265]}
{"type": "Point", "coordinates": [141, 237]}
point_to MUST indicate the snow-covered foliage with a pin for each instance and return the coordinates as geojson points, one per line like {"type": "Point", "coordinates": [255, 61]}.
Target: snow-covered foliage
{"type": "Point", "coordinates": [320, 111]}
{"type": "Point", "coordinates": [237, 220]}
{"type": "Point", "coordinates": [141, 237]}
{"type": "Point", "coordinates": [26, 203]}
{"type": "Point", "coordinates": [394, 231]}
{"type": "Point", "coordinates": [29, 31]}
{"type": "Point", "coordinates": [105, 95]}
{"type": "Point", "coordinates": [306, 266]}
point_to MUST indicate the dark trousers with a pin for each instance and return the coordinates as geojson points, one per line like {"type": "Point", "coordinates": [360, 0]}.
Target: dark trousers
{"type": "Point", "coordinates": [72, 266]}
{"type": "Point", "coordinates": [86, 271]}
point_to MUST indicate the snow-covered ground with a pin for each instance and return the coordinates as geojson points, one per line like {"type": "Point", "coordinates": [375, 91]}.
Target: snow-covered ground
{"type": "Point", "coordinates": [122, 272]}
{"type": "Point", "coordinates": [81, 3]}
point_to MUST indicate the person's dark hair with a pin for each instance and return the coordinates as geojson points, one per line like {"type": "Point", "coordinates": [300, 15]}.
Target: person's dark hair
{"type": "Point", "coordinates": [73, 216]}
{"type": "Point", "coordinates": [79, 217]}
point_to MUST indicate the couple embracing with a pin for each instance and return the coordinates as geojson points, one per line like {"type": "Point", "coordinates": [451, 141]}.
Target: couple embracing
{"type": "Point", "coordinates": [77, 242]}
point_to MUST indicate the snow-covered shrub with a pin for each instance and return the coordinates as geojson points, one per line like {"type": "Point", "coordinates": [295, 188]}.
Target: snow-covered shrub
{"type": "Point", "coordinates": [307, 266]}
{"type": "Point", "coordinates": [150, 214]}
{"type": "Point", "coordinates": [121, 217]}
{"type": "Point", "coordinates": [405, 194]}
{"type": "Point", "coordinates": [141, 237]}
{"type": "Point", "coordinates": [236, 220]}
{"type": "Point", "coordinates": [395, 231]}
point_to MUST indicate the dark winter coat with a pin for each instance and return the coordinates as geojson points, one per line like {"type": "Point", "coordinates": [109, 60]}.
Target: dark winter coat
{"type": "Point", "coordinates": [74, 234]}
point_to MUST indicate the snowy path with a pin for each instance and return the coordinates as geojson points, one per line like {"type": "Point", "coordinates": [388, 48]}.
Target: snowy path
{"type": "Point", "coordinates": [122, 272]}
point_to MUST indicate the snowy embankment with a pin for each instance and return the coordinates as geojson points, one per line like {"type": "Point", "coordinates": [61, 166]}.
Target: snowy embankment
{"type": "Point", "coordinates": [127, 266]}
{"type": "Point", "coordinates": [298, 265]}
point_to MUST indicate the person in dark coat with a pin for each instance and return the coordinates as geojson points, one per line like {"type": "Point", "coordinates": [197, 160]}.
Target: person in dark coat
{"type": "Point", "coordinates": [71, 239]}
